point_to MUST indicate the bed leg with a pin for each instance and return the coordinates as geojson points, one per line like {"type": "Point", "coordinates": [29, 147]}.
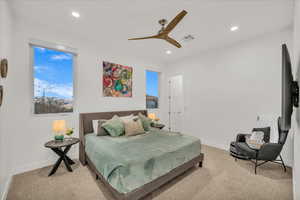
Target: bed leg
{"type": "Point", "coordinates": [200, 164]}
{"type": "Point", "coordinates": [82, 156]}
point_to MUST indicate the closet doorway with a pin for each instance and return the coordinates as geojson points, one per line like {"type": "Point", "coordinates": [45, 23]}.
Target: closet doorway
{"type": "Point", "coordinates": [176, 103]}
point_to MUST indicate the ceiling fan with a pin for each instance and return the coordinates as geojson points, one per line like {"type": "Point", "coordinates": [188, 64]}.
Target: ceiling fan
{"type": "Point", "coordinates": [164, 31]}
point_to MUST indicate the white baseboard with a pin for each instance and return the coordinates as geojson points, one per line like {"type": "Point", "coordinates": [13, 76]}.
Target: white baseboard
{"type": "Point", "coordinates": [6, 188]}
{"type": "Point", "coordinates": [219, 146]}
{"type": "Point", "coordinates": [37, 165]}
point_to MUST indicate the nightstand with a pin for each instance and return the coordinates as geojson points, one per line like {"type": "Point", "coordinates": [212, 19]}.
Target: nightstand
{"type": "Point", "coordinates": [158, 125]}
{"type": "Point", "coordinates": [57, 146]}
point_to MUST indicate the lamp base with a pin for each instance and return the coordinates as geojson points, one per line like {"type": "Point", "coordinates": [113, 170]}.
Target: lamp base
{"type": "Point", "coordinates": [59, 137]}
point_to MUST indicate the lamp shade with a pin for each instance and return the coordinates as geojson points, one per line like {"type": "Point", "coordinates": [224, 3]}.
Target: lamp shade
{"type": "Point", "coordinates": [152, 116]}
{"type": "Point", "coordinates": [59, 126]}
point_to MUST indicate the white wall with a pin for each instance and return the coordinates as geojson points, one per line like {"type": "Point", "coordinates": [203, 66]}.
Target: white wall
{"type": "Point", "coordinates": [30, 132]}
{"type": "Point", "coordinates": [5, 42]}
{"type": "Point", "coordinates": [226, 89]}
{"type": "Point", "coordinates": [296, 126]}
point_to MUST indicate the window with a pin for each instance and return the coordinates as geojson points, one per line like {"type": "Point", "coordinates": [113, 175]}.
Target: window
{"type": "Point", "coordinates": [53, 81]}
{"type": "Point", "coordinates": [152, 89]}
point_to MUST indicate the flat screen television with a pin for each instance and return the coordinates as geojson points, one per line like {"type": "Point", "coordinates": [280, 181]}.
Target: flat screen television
{"type": "Point", "coordinates": [290, 90]}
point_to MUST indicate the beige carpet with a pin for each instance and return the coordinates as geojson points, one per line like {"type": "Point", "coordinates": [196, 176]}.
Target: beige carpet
{"type": "Point", "coordinates": [221, 178]}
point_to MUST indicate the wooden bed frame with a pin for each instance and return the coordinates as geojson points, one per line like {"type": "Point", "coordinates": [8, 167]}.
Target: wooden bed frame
{"type": "Point", "coordinates": [86, 127]}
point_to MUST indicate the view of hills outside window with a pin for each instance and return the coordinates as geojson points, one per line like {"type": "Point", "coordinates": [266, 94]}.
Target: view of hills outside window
{"type": "Point", "coordinates": [152, 89]}
{"type": "Point", "coordinates": [53, 81]}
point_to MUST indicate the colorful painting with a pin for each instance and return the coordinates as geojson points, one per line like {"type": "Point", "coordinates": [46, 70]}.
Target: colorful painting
{"type": "Point", "coordinates": [117, 80]}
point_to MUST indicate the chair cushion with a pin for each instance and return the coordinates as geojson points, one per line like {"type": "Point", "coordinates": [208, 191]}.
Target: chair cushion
{"type": "Point", "coordinates": [235, 153]}
{"type": "Point", "coordinates": [243, 148]}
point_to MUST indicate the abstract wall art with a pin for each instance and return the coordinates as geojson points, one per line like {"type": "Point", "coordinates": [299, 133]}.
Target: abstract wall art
{"type": "Point", "coordinates": [117, 80]}
{"type": "Point", "coordinates": [3, 68]}
{"type": "Point", "coordinates": [1, 95]}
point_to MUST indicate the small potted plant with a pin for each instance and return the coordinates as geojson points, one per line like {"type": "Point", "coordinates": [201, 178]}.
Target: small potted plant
{"type": "Point", "coordinates": [69, 132]}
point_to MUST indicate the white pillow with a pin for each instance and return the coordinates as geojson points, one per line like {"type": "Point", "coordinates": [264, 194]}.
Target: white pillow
{"type": "Point", "coordinates": [128, 117]}
{"type": "Point", "coordinates": [257, 136]}
{"type": "Point", "coordinates": [95, 125]}
{"type": "Point", "coordinates": [271, 121]}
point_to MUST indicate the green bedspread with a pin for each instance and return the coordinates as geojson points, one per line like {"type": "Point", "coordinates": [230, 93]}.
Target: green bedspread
{"type": "Point", "coordinates": [130, 162]}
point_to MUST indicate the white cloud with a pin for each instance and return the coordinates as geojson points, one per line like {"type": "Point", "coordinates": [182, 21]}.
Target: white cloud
{"type": "Point", "coordinates": [40, 68]}
{"type": "Point", "coordinates": [42, 49]}
{"type": "Point", "coordinates": [62, 57]}
{"type": "Point", "coordinates": [61, 90]}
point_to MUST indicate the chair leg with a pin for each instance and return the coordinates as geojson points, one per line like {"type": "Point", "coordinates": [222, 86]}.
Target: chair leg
{"type": "Point", "coordinates": [282, 163]}
{"type": "Point", "coordinates": [255, 165]}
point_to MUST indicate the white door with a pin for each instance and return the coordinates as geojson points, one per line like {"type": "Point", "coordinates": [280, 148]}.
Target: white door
{"type": "Point", "coordinates": [176, 103]}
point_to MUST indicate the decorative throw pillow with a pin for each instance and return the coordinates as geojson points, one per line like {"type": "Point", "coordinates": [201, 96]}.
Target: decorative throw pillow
{"type": "Point", "coordinates": [114, 126]}
{"type": "Point", "coordinates": [127, 117]}
{"type": "Point", "coordinates": [146, 122]}
{"type": "Point", "coordinates": [133, 127]}
{"type": "Point", "coordinates": [256, 139]}
{"type": "Point", "coordinates": [101, 131]}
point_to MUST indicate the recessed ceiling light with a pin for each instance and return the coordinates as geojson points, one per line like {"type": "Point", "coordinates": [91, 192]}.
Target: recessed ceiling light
{"type": "Point", "coordinates": [234, 28]}
{"type": "Point", "coordinates": [75, 14]}
{"type": "Point", "coordinates": [168, 52]}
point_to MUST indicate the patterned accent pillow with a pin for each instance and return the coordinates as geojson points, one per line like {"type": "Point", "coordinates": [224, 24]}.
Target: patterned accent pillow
{"type": "Point", "coordinates": [114, 126]}
{"type": "Point", "coordinates": [257, 136]}
{"type": "Point", "coordinates": [133, 127]}
{"type": "Point", "coordinates": [146, 122]}
{"type": "Point", "coordinates": [100, 130]}
{"type": "Point", "coordinates": [255, 140]}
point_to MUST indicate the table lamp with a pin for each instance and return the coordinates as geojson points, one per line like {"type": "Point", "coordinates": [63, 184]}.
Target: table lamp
{"type": "Point", "coordinates": [153, 116]}
{"type": "Point", "coordinates": [59, 128]}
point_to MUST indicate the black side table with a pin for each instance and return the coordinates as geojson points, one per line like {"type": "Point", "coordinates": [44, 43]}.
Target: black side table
{"type": "Point", "coordinates": [57, 146]}
{"type": "Point", "coordinates": [157, 125]}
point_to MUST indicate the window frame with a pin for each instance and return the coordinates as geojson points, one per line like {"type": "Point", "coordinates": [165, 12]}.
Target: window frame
{"type": "Point", "coordinates": [56, 47]}
{"type": "Point", "coordinates": [159, 89]}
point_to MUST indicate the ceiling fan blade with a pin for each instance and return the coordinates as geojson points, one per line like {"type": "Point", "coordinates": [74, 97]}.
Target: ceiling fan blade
{"type": "Point", "coordinates": [172, 41]}
{"type": "Point", "coordinates": [142, 38]}
{"type": "Point", "coordinates": [174, 22]}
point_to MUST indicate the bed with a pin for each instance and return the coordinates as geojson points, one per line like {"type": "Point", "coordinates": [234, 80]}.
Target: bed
{"type": "Point", "coordinates": [132, 167]}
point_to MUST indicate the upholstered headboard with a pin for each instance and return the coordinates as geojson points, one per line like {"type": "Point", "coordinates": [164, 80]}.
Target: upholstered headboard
{"type": "Point", "coordinates": [86, 124]}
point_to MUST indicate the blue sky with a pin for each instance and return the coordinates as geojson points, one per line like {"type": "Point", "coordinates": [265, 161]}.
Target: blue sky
{"type": "Point", "coordinates": [53, 73]}
{"type": "Point", "coordinates": [152, 83]}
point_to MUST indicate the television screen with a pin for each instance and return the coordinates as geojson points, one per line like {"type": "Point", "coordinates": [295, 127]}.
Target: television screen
{"type": "Point", "coordinates": [289, 90]}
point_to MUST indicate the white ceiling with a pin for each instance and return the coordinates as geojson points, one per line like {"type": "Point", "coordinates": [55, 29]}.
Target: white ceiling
{"type": "Point", "coordinates": [111, 22]}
